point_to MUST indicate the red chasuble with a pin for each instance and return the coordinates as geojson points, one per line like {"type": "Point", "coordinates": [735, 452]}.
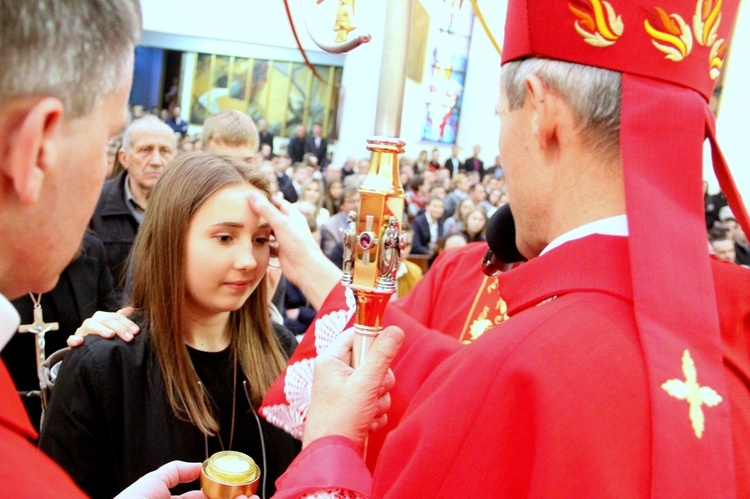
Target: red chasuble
{"type": "Point", "coordinates": [25, 471]}
{"type": "Point", "coordinates": [553, 402]}
{"type": "Point", "coordinates": [466, 301]}
{"type": "Point", "coordinates": [454, 297]}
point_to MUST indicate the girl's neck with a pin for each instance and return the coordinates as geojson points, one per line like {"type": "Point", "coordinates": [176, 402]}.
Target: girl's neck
{"type": "Point", "coordinates": [208, 334]}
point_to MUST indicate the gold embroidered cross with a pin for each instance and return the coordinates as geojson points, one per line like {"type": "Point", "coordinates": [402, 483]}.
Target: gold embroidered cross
{"type": "Point", "coordinates": [691, 391]}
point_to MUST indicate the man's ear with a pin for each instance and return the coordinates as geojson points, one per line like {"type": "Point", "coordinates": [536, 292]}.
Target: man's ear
{"type": "Point", "coordinates": [121, 158]}
{"type": "Point", "coordinates": [33, 146]}
{"type": "Point", "coordinates": [543, 107]}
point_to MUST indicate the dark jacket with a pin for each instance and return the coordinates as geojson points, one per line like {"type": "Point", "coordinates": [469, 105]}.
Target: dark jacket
{"type": "Point", "coordinates": [320, 152]}
{"type": "Point", "coordinates": [289, 192]}
{"type": "Point", "coordinates": [265, 138]}
{"type": "Point", "coordinates": [85, 286]}
{"type": "Point", "coordinates": [110, 422]}
{"type": "Point", "coordinates": [421, 240]}
{"type": "Point", "coordinates": [296, 149]}
{"type": "Point", "coordinates": [116, 227]}
{"type": "Point", "coordinates": [468, 166]}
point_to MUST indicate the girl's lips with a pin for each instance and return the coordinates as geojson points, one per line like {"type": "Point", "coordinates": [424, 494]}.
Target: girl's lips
{"type": "Point", "coordinates": [238, 285]}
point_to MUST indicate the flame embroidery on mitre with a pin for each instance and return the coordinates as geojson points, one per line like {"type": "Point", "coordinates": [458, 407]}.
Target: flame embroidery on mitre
{"type": "Point", "coordinates": [597, 22]}
{"type": "Point", "coordinates": [706, 21]}
{"type": "Point", "coordinates": [716, 58]}
{"type": "Point", "coordinates": [671, 35]}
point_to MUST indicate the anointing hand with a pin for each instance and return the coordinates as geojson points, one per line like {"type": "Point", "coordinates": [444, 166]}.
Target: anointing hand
{"type": "Point", "coordinates": [301, 258]}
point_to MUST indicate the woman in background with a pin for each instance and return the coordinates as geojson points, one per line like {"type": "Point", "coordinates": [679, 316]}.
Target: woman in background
{"type": "Point", "coordinates": [312, 193]}
{"type": "Point", "coordinates": [474, 228]}
{"type": "Point", "coordinates": [457, 223]}
{"type": "Point", "coordinates": [333, 196]}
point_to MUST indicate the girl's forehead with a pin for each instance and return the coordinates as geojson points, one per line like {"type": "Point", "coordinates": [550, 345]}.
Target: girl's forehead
{"type": "Point", "coordinates": [228, 202]}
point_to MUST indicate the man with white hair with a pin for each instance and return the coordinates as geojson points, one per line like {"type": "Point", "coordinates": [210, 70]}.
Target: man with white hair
{"type": "Point", "coordinates": [67, 67]}
{"type": "Point", "coordinates": [147, 146]}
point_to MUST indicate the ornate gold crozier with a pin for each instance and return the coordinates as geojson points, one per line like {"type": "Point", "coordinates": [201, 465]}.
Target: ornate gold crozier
{"type": "Point", "coordinates": [373, 237]}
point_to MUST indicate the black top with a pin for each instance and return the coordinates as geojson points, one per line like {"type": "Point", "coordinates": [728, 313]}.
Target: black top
{"type": "Point", "coordinates": [110, 422]}
{"type": "Point", "coordinates": [116, 226]}
{"type": "Point", "coordinates": [85, 286]}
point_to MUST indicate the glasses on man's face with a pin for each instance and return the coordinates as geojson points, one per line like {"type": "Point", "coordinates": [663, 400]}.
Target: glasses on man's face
{"type": "Point", "coordinates": [273, 260]}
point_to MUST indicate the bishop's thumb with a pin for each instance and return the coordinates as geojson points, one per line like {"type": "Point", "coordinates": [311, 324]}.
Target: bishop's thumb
{"type": "Point", "coordinates": [381, 354]}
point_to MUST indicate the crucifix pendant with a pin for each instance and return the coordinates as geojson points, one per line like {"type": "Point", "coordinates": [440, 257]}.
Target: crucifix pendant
{"type": "Point", "coordinates": [39, 328]}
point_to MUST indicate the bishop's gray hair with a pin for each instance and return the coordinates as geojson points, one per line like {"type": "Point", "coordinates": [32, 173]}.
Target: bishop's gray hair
{"type": "Point", "coordinates": [75, 50]}
{"type": "Point", "coordinates": [594, 95]}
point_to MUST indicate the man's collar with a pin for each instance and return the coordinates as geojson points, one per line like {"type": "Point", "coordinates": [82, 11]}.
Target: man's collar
{"type": "Point", "coordinates": [134, 207]}
{"type": "Point", "coordinates": [611, 226]}
{"type": "Point", "coordinates": [9, 321]}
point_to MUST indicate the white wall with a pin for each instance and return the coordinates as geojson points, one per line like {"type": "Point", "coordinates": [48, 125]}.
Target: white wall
{"type": "Point", "coordinates": [733, 126]}
{"type": "Point", "coordinates": [254, 21]}
{"type": "Point", "coordinates": [479, 123]}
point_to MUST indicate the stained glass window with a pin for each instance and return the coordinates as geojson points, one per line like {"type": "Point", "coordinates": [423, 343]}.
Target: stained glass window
{"type": "Point", "coordinates": [284, 93]}
{"type": "Point", "coordinates": [447, 73]}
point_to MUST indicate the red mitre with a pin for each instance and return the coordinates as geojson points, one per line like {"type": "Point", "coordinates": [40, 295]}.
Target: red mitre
{"type": "Point", "coordinates": [670, 54]}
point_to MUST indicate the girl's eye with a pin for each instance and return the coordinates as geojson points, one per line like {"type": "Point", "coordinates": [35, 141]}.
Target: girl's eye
{"type": "Point", "coordinates": [224, 238]}
{"type": "Point", "coordinates": [261, 240]}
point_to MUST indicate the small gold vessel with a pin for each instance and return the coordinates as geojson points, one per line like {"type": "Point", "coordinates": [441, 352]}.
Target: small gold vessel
{"type": "Point", "coordinates": [229, 474]}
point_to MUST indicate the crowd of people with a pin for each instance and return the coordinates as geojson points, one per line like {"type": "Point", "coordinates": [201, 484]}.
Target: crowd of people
{"type": "Point", "coordinates": [195, 273]}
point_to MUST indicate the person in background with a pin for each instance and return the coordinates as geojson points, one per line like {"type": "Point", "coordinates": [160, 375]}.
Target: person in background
{"type": "Point", "coordinates": [422, 162]}
{"type": "Point", "coordinates": [233, 133]}
{"type": "Point", "coordinates": [186, 144]}
{"type": "Point", "coordinates": [409, 273]}
{"type": "Point", "coordinates": [355, 180]}
{"type": "Point", "coordinates": [723, 245]}
{"type": "Point", "coordinates": [457, 223]}
{"type": "Point", "coordinates": [296, 146]}
{"type": "Point", "coordinates": [434, 163]}
{"type": "Point", "coordinates": [147, 146]}
{"type": "Point", "coordinates": [330, 237]}
{"type": "Point", "coordinates": [428, 228]}
{"type": "Point", "coordinates": [474, 164]}
{"type": "Point", "coordinates": [312, 193]}
{"type": "Point", "coordinates": [264, 136]}
{"type": "Point", "coordinates": [453, 164]}
{"type": "Point", "coordinates": [332, 198]}
{"type": "Point", "coordinates": [474, 228]}
{"type": "Point", "coordinates": [459, 193]}
{"type": "Point", "coordinates": [318, 146]}
{"type": "Point", "coordinates": [176, 122]}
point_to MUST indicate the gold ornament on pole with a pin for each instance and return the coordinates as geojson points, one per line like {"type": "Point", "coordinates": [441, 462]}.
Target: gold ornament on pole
{"type": "Point", "coordinates": [373, 237]}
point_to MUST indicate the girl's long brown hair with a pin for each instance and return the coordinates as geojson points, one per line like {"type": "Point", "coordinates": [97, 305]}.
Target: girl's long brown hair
{"type": "Point", "coordinates": [159, 286]}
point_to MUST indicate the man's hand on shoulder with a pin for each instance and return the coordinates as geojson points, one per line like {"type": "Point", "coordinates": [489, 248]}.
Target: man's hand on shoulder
{"type": "Point", "coordinates": [107, 325]}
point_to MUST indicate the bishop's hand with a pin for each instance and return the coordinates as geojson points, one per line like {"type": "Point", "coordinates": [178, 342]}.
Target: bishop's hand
{"type": "Point", "coordinates": [350, 402]}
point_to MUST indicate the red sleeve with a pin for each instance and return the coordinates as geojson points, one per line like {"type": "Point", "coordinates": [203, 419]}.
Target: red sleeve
{"type": "Point", "coordinates": [333, 462]}
{"type": "Point", "coordinates": [285, 405]}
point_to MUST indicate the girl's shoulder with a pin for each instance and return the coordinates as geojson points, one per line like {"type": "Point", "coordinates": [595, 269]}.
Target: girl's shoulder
{"type": "Point", "coordinates": [286, 338]}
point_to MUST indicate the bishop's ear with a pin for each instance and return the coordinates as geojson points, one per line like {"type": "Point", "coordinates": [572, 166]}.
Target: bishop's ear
{"type": "Point", "coordinates": [544, 109]}
{"type": "Point", "coordinates": [31, 134]}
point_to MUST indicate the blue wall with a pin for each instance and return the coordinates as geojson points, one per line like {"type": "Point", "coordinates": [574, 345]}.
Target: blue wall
{"type": "Point", "coordinates": [147, 76]}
